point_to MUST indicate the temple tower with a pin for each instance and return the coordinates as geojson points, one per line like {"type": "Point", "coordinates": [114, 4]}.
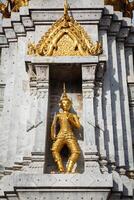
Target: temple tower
{"type": "Point", "coordinates": [88, 45]}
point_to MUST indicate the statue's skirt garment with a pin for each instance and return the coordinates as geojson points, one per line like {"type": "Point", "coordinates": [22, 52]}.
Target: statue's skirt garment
{"type": "Point", "coordinates": [68, 139]}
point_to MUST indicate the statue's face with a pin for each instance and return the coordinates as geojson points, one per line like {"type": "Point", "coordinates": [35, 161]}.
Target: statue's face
{"type": "Point", "coordinates": [66, 105]}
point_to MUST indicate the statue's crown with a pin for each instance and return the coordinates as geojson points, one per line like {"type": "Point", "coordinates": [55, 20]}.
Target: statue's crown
{"type": "Point", "coordinates": [64, 95]}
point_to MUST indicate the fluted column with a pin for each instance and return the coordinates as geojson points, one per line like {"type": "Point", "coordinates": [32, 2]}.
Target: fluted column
{"type": "Point", "coordinates": [116, 103]}
{"type": "Point", "coordinates": [31, 125]}
{"type": "Point", "coordinates": [100, 131]}
{"type": "Point", "coordinates": [107, 113]}
{"type": "Point", "coordinates": [129, 62]}
{"type": "Point", "coordinates": [88, 84]}
{"type": "Point", "coordinates": [130, 80]}
{"type": "Point", "coordinates": [42, 72]}
{"type": "Point", "coordinates": [106, 103]}
{"type": "Point", "coordinates": [127, 132]}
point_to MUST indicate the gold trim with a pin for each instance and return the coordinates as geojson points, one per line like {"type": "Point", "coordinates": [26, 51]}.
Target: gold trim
{"type": "Point", "coordinates": [65, 37]}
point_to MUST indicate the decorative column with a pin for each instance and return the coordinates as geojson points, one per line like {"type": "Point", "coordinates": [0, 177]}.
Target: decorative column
{"type": "Point", "coordinates": [42, 73]}
{"type": "Point", "coordinates": [88, 86]}
{"type": "Point", "coordinates": [107, 114]}
{"type": "Point", "coordinates": [106, 102]}
{"type": "Point", "coordinates": [131, 105]}
{"type": "Point", "coordinates": [116, 103]}
{"type": "Point", "coordinates": [33, 106]}
{"type": "Point", "coordinates": [130, 80]}
{"type": "Point", "coordinates": [99, 113]}
{"type": "Point", "coordinates": [127, 132]}
{"type": "Point", "coordinates": [129, 62]}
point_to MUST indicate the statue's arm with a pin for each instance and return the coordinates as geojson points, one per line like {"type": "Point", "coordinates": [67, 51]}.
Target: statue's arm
{"type": "Point", "coordinates": [53, 128]}
{"type": "Point", "coordinates": [74, 120]}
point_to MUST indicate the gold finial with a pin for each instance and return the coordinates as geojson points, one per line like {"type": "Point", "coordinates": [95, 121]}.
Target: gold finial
{"type": "Point", "coordinates": [64, 95]}
{"type": "Point", "coordinates": [64, 88]}
{"type": "Point", "coordinates": [65, 8]}
{"type": "Point", "coordinates": [66, 16]}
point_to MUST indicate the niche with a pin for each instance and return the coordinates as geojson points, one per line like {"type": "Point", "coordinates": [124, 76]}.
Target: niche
{"type": "Point", "coordinates": [71, 75]}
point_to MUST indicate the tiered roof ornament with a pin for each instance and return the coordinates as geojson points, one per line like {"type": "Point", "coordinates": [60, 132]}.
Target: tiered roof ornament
{"type": "Point", "coordinates": [66, 37]}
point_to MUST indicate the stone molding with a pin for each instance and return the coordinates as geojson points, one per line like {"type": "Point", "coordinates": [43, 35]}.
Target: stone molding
{"type": "Point", "coordinates": [25, 20]}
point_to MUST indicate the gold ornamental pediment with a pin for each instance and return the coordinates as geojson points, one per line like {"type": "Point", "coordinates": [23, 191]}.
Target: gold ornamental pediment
{"type": "Point", "coordinates": [66, 37]}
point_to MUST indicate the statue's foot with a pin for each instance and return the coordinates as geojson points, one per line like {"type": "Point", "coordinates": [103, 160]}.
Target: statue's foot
{"type": "Point", "coordinates": [70, 172]}
{"type": "Point", "coordinates": [61, 171]}
{"type": "Point", "coordinates": [70, 167]}
{"type": "Point", "coordinates": [60, 166]}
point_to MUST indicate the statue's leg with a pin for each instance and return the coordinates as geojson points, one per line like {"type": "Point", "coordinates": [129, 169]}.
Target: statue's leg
{"type": "Point", "coordinates": [75, 153]}
{"type": "Point", "coordinates": [56, 148]}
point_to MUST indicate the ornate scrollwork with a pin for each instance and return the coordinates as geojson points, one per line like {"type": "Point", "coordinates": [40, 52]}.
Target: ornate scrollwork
{"type": "Point", "coordinates": [122, 5]}
{"type": "Point", "coordinates": [12, 6]}
{"type": "Point", "coordinates": [66, 37]}
{"type": "Point", "coordinates": [31, 48]}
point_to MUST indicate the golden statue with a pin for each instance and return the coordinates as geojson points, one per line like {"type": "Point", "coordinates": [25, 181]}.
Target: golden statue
{"type": "Point", "coordinates": [18, 4]}
{"type": "Point", "coordinates": [122, 5]}
{"type": "Point", "coordinates": [12, 6]}
{"type": "Point", "coordinates": [129, 8]}
{"type": "Point", "coordinates": [4, 9]}
{"type": "Point", "coordinates": [65, 136]}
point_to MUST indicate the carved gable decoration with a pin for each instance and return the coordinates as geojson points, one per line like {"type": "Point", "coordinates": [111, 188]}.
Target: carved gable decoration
{"type": "Point", "coordinates": [66, 37]}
